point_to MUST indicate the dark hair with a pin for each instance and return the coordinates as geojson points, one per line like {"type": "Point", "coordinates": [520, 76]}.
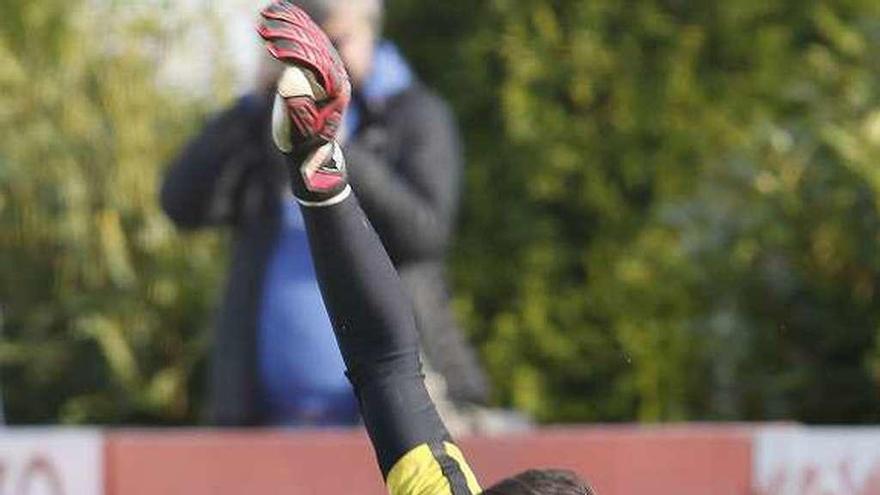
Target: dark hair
{"type": "Point", "coordinates": [542, 482]}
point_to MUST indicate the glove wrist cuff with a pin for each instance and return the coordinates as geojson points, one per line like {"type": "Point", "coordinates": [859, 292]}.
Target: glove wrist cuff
{"type": "Point", "coordinates": [335, 200]}
{"type": "Point", "coordinates": [320, 178]}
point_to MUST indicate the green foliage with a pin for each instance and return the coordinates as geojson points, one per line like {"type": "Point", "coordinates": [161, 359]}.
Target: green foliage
{"type": "Point", "coordinates": [103, 303]}
{"type": "Point", "coordinates": [672, 207]}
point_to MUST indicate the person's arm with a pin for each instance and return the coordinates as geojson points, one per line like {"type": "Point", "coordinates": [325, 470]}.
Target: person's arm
{"type": "Point", "coordinates": [200, 186]}
{"type": "Point", "coordinates": [413, 205]}
{"type": "Point", "coordinates": [375, 329]}
{"type": "Point", "coordinates": [372, 319]}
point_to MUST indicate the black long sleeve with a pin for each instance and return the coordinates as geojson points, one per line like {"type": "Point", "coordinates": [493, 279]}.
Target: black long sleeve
{"type": "Point", "coordinates": [201, 185]}
{"type": "Point", "coordinates": [375, 328]}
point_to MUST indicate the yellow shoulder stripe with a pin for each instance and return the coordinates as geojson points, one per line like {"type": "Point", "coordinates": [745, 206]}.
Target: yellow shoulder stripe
{"type": "Point", "coordinates": [419, 473]}
{"type": "Point", "coordinates": [456, 454]}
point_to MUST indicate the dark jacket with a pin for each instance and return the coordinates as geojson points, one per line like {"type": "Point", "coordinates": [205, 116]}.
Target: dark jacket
{"type": "Point", "coordinates": [404, 166]}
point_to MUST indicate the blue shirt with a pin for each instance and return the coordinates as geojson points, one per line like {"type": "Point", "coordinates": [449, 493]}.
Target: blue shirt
{"type": "Point", "coordinates": [300, 368]}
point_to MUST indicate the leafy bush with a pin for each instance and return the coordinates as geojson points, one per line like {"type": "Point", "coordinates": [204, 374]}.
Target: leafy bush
{"type": "Point", "coordinates": [671, 207]}
{"type": "Point", "coordinates": [103, 302]}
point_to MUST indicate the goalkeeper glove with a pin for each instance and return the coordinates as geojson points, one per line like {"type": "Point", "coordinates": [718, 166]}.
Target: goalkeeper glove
{"type": "Point", "coordinates": [312, 96]}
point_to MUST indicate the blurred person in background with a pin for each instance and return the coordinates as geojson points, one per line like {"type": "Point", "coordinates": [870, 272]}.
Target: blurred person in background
{"type": "Point", "coordinates": [274, 358]}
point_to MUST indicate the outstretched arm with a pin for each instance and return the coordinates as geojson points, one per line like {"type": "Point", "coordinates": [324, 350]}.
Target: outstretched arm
{"type": "Point", "coordinates": [375, 328]}
{"type": "Point", "coordinates": [372, 319]}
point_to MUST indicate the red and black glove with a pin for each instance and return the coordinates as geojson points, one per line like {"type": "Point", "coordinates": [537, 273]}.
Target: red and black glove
{"type": "Point", "coordinates": [313, 94]}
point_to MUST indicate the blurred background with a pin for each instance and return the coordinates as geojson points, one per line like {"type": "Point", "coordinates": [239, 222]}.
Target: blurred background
{"type": "Point", "coordinates": [671, 210]}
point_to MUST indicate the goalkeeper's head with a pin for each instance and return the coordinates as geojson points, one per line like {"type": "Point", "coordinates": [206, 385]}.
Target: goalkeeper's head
{"type": "Point", "coordinates": [542, 482]}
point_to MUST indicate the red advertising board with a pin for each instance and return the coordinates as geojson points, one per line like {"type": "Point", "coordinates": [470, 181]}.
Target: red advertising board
{"type": "Point", "coordinates": [619, 461]}
{"type": "Point", "coordinates": [627, 460]}
{"type": "Point", "coordinates": [681, 460]}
